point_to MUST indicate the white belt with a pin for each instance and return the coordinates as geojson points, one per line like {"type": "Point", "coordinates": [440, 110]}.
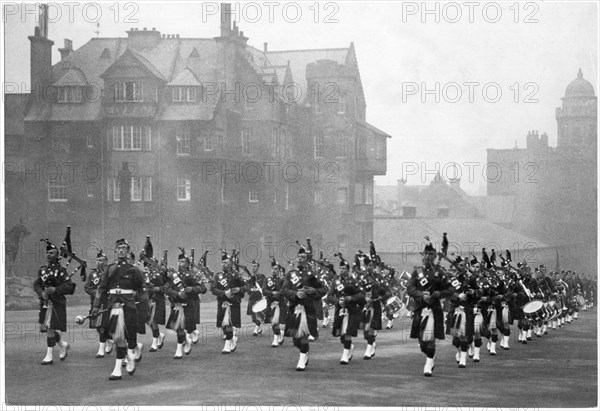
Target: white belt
{"type": "Point", "coordinates": [120, 291]}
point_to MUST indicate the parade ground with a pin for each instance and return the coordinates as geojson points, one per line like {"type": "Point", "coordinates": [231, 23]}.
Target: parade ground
{"type": "Point", "coordinates": [552, 371]}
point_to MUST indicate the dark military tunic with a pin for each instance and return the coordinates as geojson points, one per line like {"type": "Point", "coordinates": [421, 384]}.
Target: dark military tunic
{"type": "Point", "coordinates": [54, 275]}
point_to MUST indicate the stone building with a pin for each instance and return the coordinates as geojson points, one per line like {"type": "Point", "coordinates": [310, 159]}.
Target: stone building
{"type": "Point", "coordinates": [197, 142]}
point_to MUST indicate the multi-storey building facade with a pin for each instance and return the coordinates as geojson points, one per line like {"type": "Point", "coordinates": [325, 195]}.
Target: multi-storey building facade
{"type": "Point", "coordinates": [196, 142]}
{"type": "Point", "coordinates": [555, 188]}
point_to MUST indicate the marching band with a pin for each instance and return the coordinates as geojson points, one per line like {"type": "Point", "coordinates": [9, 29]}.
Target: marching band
{"type": "Point", "coordinates": [463, 298]}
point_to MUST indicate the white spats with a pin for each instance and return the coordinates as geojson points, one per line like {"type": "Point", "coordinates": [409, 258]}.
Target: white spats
{"type": "Point", "coordinates": [154, 345]}
{"type": "Point", "coordinates": [130, 367]}
{"type": "Point", "coordinates": [101, 349]}
{"type": "Point", "coordinates": [275, 342]}
{"type": "Point", "coordinates": [345, 357]}
{"type": "Point", "coordinates": [116, 374]}
{"type": "Point", "coordinates": [302, 360]}
{"type": "Point", "coordinates": [476, 352]}
{"type": "Point", "coordinates": [227, 348]}
{"type": "Point", "coordinates": [463, 359]}
{"type": "Point", "coordinates": [187, 347]}
{"type": "Point", "coordinates": [109, 346]}
{"type": "Point", "coordinates": [470, 350]}
{"type": "Point", "coordinates": [428, 369]}
{"type": "Point", "coordinates": [48, 359]}
{"type": "Point", "coordinates": [138, 352]}
{"type": "Point", "coordinates": [195, 336]}
{"type": "Point", "coordinates": [64, 349]}
{"type": "Point", "coordinates": [368, 352]}
{"type": "Point", "coordinates": [492, 348]}
{"type": "Point", "coordinates": [504, 342]}
{"type": "Point", "coordinates": [179, 351]}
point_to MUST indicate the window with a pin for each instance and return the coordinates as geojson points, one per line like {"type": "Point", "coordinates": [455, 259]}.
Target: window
{"type": "Point", "coordinates": [136, 189]}
{"type": "Point", "coordinates": [253, 196]}
{"type": "Point", "coordinates": [287, 146]}
{"type": "Point", "coordinates": [341, 146]}
{"type": "Point", "coordinates": [247, 141]}
{"type": "Point", "coordinates": [131, 138]}
{"type": "Point", "coordinates": [183, 189]}
{"type": "Point", "coordinates": [341, 105]}
{"type": "Point", "coordinates": [183, 94]}
{"type": "Point", "coordinates": [287, 196]}
{"type": "Point", "coordinates": [369, 193]}
{"type": "Point", "coordinates": [114, 189]}
{"type": "Point", "coordinates": [273, 144]}
{"type": "Point", "coordinates": [342, 196]}
{"type": "Point", "coordinates": [208, 142]}
{"type": "Point", "coordinates": [129, 91]}
{"type": "Point", "coordinates": [90, 191]}
{"type": "Point", "coordinates": [319, 147]}
{"type": "Point", "coordinates": [318, 196]}
{"type": "Point", "coordinates": [57, 189]}
{"type": "Point", "coordinates": [222, 191]}
{"type": "Point", "coordinates": [60, 142]}
{"type": "Point", "coordinates": [141, 189]}
{"type": "Point", "coordinates": [89, 141]}
{"type": "Point", "coordinates": [184, 144]}
{"type": "Point", "coordinates": [69, 94]}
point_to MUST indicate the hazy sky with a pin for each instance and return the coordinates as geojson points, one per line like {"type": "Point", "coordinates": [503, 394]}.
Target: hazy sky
{"type": "Point", "coordinates": [528, 51]}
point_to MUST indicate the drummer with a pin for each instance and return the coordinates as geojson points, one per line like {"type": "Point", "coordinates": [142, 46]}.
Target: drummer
{"type": "Point", "coordinates": [255, 295]}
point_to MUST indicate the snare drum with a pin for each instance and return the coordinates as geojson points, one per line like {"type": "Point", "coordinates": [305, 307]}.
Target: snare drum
{"type": "Point", "coordinates": [534, 311]}
{"type": "Point", "coordinates": [394, 305]}
{"type": "Point", "coordinates": [259, 308]}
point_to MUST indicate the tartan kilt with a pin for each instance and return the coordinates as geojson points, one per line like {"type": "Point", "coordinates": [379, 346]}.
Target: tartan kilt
{"type": "Point", "coordinates": [438, 326]}
{"type": "Point", "coordinates": [58, 321]}
{"type": "Point", "coordinates": [319, 309]}
{"type": "Point", "coordinates": [131, 320]}
{"type": "Point", "coordinates": [283, 311]}
{"type": "Point", "coordinates": [354, 319]}
{"type": "Point", "coordinates": [293, 321]}
{"type": "Point", "coordinates": [376, 323]}
{"type": "Point", "coordinates": [470, 321]}
{"type": "Point", "coordinates": [236, 314]}
{"type": "Point", "coordinates": [160, 312]}
{"type": "Point", "coordinates": [195, 310]}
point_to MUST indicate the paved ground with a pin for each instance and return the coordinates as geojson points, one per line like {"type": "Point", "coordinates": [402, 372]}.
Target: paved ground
{"type": "Point", "coordinates": [556, 370]}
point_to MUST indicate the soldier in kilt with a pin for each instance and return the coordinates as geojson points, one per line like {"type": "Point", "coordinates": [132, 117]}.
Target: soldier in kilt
{"type": "Point", "coordinates": [52, 285]}
{"type": "Point", "coordinates": [91, 286]}
{"type": "Point", "coordinates": [428, 285]}
{"type": "Point", "coordinates": [120, 285]}
{"type": "Point", "coordinates": [277, 309]}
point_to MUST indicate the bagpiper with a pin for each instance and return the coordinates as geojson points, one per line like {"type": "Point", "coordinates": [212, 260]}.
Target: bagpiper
{"type": "Point", "coordinates": [303, 289]}
{"type": "Point", "coordinates": [91, 286]}
{"type": "Point", "coordinates": [428, 285]}
{"type": "Point", "coordinates": [52, 284]}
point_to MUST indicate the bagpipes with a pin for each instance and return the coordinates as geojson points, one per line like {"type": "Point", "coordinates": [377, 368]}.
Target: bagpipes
{"type": "Point", "coordinates": [66, 251]}
{"type": "Point", "coordinates": [208, 275]}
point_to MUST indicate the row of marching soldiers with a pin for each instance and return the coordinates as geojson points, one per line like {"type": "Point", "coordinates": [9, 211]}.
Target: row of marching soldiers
{"type": "Point", "coordinates": [132, 292]}
{"type": "Point", "coordinates": [484, 300]}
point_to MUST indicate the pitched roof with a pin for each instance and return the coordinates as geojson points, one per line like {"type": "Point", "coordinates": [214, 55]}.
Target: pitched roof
{"type": "Point", "coordinates": [373, 129]}
{"type": "Point", "coordinates": [14, 113]}
{"type": "Point", "coordinates": [467, 235]}
{"type": "Point", "coordinates": [72, 77]}
{"type": "Point", "coordinates": [185, 78]}
{"type": "Point", "coordinates": [299, 59]}
{"type": "Point", "coordinates": [497, 209]}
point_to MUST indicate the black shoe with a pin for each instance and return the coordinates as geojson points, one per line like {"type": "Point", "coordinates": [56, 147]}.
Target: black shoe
{"type": "Point", "coordinates": [99, 355]}
{"type": "Point", "coordinates": [114, 377]}
{"type": "Point", "coordinates": [152, 349]}
{"type": "Point", "coordinates": [47, 362]}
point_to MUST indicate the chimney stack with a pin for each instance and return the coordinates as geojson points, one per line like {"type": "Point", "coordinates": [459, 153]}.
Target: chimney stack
{"type": "Point", "coordinates": [225, 19]}
{"type": "Point", "coordinates": [41, 53]}
{"type": "Point", "coordinates": [64, 52]}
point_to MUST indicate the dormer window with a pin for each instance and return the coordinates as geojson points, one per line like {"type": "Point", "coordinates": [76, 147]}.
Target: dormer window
{"type": "Point", "coordinates": [184, 94]}
{"type": "Point", "coordinates": [69, 94]}
{"type": "Point", "coordinates": [128, 92]}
